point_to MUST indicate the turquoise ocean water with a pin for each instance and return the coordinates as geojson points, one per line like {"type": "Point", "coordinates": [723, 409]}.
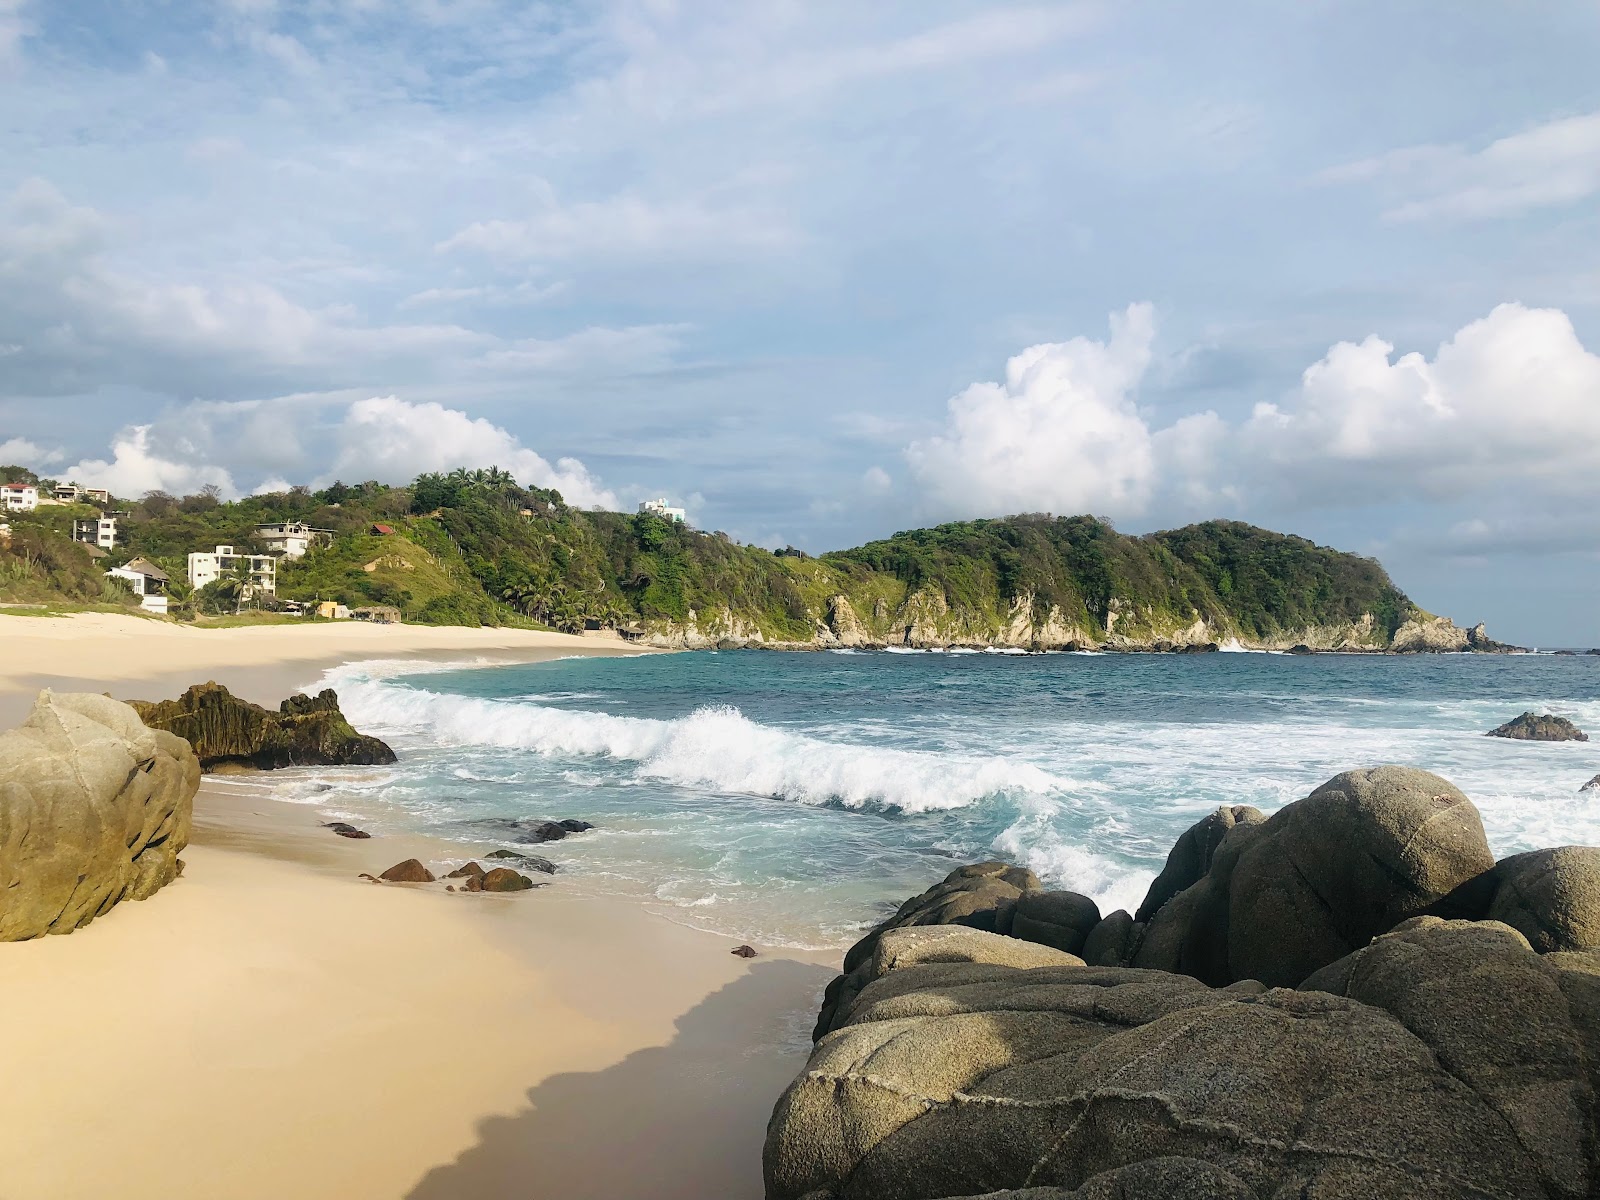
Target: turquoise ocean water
{"type": "Point", "coordinates": [791, 798]}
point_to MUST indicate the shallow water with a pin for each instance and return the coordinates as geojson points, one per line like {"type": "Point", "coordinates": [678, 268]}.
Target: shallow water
{"type": "Point", "coordinates": [790, 798]}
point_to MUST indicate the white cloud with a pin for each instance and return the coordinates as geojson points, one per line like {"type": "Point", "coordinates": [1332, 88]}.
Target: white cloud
{"type": "Point", "coordinates": [138, 466]}
{"type": "Point", "coordinates": [876, 480]}
{"type": "Point", "coordinates": [24, 453]}
{"type": "Point", "coordinates": [1553, 164]}
{"type": "Point", "coordinates": [1511, 399]}
{"type": "Point", "coordinates": [1061, 433]}
{"type": "Point", "coordinates": [389, 439]}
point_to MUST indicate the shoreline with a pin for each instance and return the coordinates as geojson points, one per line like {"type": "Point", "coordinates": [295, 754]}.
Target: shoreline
{"type": "Point", "coordinates": [269, 1024]}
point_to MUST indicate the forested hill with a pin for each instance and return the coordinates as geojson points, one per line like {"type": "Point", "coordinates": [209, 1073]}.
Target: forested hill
{"type": "Point", "coordinates": [476, 548]}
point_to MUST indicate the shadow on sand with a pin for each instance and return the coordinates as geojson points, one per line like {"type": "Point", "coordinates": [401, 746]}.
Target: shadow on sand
{"type": "Point", "coordinates": [673, 1122]}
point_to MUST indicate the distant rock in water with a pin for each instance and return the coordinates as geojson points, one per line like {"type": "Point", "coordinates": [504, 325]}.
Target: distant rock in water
{"type": "Point", "coordinates": [1531, 727]}
{"type": "Point", "coordinates": [346, 830]}
{"type": "Point", "coordinates": [1592, 786]}
{"type": "Point", "coordinates": [94, 810]}
{"type": "Point", "coordinates": [306, 731]}
{"type": "Point", "coordinates": [529, 831]}
{"type": "Point", "coordinates": [528, 862]}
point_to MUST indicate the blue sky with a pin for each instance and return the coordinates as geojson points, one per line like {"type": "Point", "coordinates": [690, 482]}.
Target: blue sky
{"type": "Point", "coordinates": [820, 271]}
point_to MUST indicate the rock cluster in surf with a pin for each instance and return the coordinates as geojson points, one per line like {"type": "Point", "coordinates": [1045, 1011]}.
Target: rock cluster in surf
{"type": "Point", "coordinates": [94, 809]}
{"type": "Point", "coordinates": [1534, 727]}
{"type": "Point", "coordinates": [225, 731]}
{"type": "Point", "coordinates": [1350, 998]}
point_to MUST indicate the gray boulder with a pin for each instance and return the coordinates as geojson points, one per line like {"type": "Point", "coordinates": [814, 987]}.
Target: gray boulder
{"type": "Point", "coordinates": [1059, 919]}
{"type": "Point", "coordinates": [1191, 855]}
{"type": "Point", "coordinates": [1454, 1062]}
{"type": "Point", "coordinates": [94, 809]}
{"type": "Point", "coordinates": [1551, 897]}
{"type": "Point", "coordinates": [1532, 727]}
{"type": "Point", "coordinates": [1112, 943]}
{"type": "Point", "coordinates": [1319, 878]}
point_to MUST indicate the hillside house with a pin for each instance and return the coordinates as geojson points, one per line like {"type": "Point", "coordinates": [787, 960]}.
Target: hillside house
{"type": "Point", "coordinates": [18, 497]}
{"type": "Point", "coordinates": [206, 568]}
{"type": "Point", "coordinates": [291, 539]}
{"type": "Point", "coordinates": [71, 493]}
{"type": "Point", "coordinates": [659, 507]}
{"type": "Point", "coordinates": [96, 531]}
{"type": "Point", "coordinates": [148, 581]}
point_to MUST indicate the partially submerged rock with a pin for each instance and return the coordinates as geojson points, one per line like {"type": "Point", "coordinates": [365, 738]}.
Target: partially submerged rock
{"type": "Point", "coordinates": [744, 951]}
{"type": "Point", "coordinates": [410, 871]}
{"type": "Point", "coordinates": [345, 829]}
{"type": "Point", "coordinates": [1534, 727]}
{"type": "Point", "coordinates": [225, 731]}
{"type": "Point", "coordinates": [94, 809]}
{"type": "Point", "coordinates": [504, 879]}
{"type": "Point", "coordinates": [530, 831]}
{"type": "Point", "coordinates": [528, 862]}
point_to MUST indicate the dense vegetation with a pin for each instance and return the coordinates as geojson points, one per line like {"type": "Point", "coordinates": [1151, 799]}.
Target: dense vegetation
{"type": "Point", "coordinates": [474, 547]}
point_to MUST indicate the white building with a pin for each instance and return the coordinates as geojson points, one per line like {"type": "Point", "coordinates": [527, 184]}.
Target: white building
{"type": "Point", "coordinates": [148, 581]}
{"type": "Point", "coordinates": [661, 508]}
{"type": "Point", "coordinates": [96, 531]}
{"type": "Point", "coordinates": [19, 497]}
{"type": "Point", "coordinates": [292, 539]}
{"type": "Point", "coordinates": [207, 568]}
{"type": "Point", "coordinates": [71, 493]}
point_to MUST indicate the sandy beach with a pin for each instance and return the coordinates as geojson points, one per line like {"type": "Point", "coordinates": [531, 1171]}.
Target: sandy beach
{"type": "Point", "coordinates": [270, 1025]}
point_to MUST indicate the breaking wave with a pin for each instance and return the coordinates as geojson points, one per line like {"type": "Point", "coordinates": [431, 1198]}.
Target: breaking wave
{"type": "Point", "coordinates": [717, 748]}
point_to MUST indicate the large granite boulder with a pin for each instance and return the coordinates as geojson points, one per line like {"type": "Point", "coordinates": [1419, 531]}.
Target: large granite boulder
{"type": "Point", "coordinates": [94, 809]}
{"type": "Point", "coordinates": [1191, 855]}
{"type": "Point", "coordinates": [1060, 919]}
{"type": "Point", "coordinates": [1551, 897]}
{"type": "Point", "coordinates": [1319, 878]}
{"type": "Point", "coordinates": [306, 731]}
{"type": "Point", "coordinates": [980, 896]}
{"type": "Point", "coordinates": [1534, 727]}
{"type": "Point", "coordinates": [1449, 1061]}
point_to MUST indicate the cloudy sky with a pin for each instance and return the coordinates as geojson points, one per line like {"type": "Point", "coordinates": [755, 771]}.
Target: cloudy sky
{"type": "Point", "coordinates": [821, 271]}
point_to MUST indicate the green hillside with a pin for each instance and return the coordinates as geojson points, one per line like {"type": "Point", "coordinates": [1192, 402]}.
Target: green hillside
{"type": "Point", "coordinates": [475, 548]}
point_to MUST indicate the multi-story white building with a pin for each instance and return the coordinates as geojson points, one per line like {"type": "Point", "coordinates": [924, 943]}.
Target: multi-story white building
{"type": "Point", "coordinates": [19, 497]}
{"type": "Point", "coordinates": [661, 508]}
{"type": "Point", "coordinates": [71, 493]}
{"type": "Point", "coordinates": [207, 568]}
{"type": "Point", "coordinates": [148, 581]}
{"type": "Point", "coordinates": [96, 531]}
{"type": "Point", "coordinates": [292, 539]}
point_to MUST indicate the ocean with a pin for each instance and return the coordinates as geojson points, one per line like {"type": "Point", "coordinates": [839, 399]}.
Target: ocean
{"type": "Point", "coordinates": [794, 799]}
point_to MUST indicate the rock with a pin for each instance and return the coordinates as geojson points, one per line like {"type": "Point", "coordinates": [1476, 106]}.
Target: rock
{"type": "Point", "coordinates": [528, 862]}
{"type": "Point", "coordinates": [344, 829]}
{"type": "Point", "coordinates": [504, 879]}
{"type": "Point", "coordinates": [94, 810]}
{"type": "Point", "coordinates": [980, 896]}
{"type": "Point", "coordinates": [1199, 648]}
{"type": "Point", "coordinates": [467, 869]}
{"type": "Point", "coordinates": [1453, 1062]}
{"type": "Point", "coordinates": [1059, 919]}
{"type": "Point", "coordinates": [1592, 786]}
{"type": "Point", "coordinates": [1531, 727]}
{"type": "Point", "coordinates": [744, 951]}
{"type": "Point", "coordinates": [524, 830]}
{"type": "Point", "coordinates": [1319, 878]}
{"type": "Point", "coordinates": [1550, 897]}
{"type": "Point", "coordinates": [1301, 648]}
{"type": "Point", "coordinates": [410, 871]}
{"type": "Point", "coordinates": [572, 826]}
{"type": "Point", "coordinates": [1112, 943]}
{"type": "Point", "coordinates": [1433, 634]}
{"type": "Point", "coordinates": [226, 731]}
{"type": "Point", "coordinates": [1190, 857]}
{"type": "Point", "coordinates": [369, 878]}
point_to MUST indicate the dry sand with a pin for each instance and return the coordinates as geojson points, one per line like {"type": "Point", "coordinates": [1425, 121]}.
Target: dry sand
{"type": "Point", "coordinates": [270, 1026]}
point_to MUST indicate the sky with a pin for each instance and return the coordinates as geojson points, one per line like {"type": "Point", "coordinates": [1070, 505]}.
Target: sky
{"type": "Point", "coordinates": [820, 271]}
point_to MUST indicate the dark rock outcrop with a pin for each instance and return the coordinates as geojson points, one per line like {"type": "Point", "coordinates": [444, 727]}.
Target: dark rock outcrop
{"type": "Point", "coordinates": [1449, 1060]}
{"type": "Point", "coordinates": [347, 830]}
{"type": "Point", "coordinates": [1112, 943]}
{"type": "Point", "coordinates": [1533, 727]}
{"type": "Point", "coordinates": [1592, 786]}
{"type": "Point", "coordinates": [572, 825]}
{"type": "Point", "coordinates": [528, 862]}
{"type": "Point", "coordinates": [744, 951]}
{"type": "Point", "coordinates": [1551, 897]}
{"type": "Point", "coordinates": [94, 810]}
{"type": "Point", "coordinates": [410, 871]}
{"type": "Point", "coordinates": [1319, 878]}
{"type": "Point", "coordinates": [306, 731]}
{"type": "Point", "coordinates": [522, 829]}
{"type": "Point", "coordinates": [1190, 857]}
{"type": "Point", "coordinates": [1059, 919]}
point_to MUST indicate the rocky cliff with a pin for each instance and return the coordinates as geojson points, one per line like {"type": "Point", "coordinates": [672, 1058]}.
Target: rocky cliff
{"type": "Point", "coordinates": [1349, 999]}
{"type": "Point", "coordinates": [227, 731]}
{"type": "Point", "coordinates": [94, 809]}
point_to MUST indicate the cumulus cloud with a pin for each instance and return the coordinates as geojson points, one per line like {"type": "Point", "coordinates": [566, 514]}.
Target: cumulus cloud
{"type": "Point", "coordinates": [389, 439]}
{"type": "Point", "coordinates": [1512, 398]}
{"type": "Point", "coordinates": [137, 466]}
{"type": "Point", "coordinates": [24, 453]}
{"type": "Point", "coordinates": [1061, 432]}
{"type": "Point", "coordinates": [1552, 164]}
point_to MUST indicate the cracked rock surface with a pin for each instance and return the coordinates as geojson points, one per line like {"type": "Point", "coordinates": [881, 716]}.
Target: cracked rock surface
{"type": "Point", "coordinates": [94, 809]}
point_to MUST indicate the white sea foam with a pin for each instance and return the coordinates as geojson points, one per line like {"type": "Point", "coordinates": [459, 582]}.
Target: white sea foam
{"type": "Point", "coordinates": [716, 748]}
{"type": "Point", "coordinates": [903, 650]}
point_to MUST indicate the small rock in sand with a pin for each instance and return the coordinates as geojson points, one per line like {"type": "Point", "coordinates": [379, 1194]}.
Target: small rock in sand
{"type": "Point", "coordinates": [745, 951]}
{"type": "Point", "coordinates": [344, 829]}
{"type": "Point", "coordinates": [463, 872]}
{"type": "Point", "coordinates": [410, 871]}
{"type": "Point", "coordinates": [504, 879]}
